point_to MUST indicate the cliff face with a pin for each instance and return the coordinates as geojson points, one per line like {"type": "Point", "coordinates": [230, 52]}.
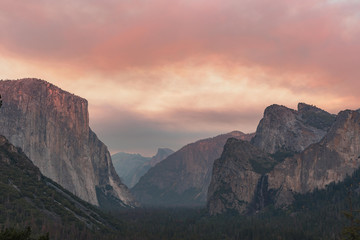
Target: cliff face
{"type": "Point", "coordinates": [52, 128]}
{"type": "Point", "coordinates": [331, 160]}
{"type": "Point", "coordinates": [236, 175]}
{"type": "Point", "coordinates": [328, 160]}
{"type": "Point", "coordinates": [182, 179]}
{"type": "Point", "coordinates": [284, 129]}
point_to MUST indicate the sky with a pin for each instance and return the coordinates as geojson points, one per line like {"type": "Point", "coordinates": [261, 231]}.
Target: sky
{"type": "Point", "coordinates": [160, 73]}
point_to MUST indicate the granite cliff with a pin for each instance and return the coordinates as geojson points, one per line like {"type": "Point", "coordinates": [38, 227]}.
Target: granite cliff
{"type": "Point", "coordinates": [285, 129]}
{"type": "Point", "coordinates": [51, 126]}
{"type": "Point", "coordinates": [330, 160]}
{"type": "Point", "coordinates": [236, 175]}
{"type": "Point", "coordinates": [241, 184]}
{"type": "Point", "coordinates": [182, 179]}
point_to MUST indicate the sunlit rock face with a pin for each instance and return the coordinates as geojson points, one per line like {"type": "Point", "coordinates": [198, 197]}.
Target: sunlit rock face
{"type": "Point", "coordinates": [52, 128]}
{"type": "Point", "coordinates": [247, 178]}
{"type": "Point", "coordinates": [183, 178]}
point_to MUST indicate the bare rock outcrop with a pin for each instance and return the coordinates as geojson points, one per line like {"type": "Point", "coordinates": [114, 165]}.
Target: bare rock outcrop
{"type": "Point", "coordinates": [52, 128]}
{"type": "Point", "coordinates": [285, 129]}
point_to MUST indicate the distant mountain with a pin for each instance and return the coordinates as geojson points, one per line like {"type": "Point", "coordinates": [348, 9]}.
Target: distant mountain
{"type": "Point", "coordinates": [182, 179]}
{"type": "Point", "coordinates": [27, 198]}
{"type": "Point", "coordinates": [248, 177]}
{"type": "Point", "coordinates": [131, 167]}
{"type": "Point", "coordinates": [52, 128]}
{"type": "Point", "coordinates": [161, 154]}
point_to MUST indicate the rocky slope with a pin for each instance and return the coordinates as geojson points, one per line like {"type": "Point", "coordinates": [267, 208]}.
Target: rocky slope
{"type": "Point", "coordinates": [330, 159]}
{"type": "Point", "coordinates": [52, 128]}
{"type": "Point", "coordinates": [182, 179]}
{"type": "Point", "coordinates": [30, 199]}
{"type": "Point", "coordinates": [131, 167]}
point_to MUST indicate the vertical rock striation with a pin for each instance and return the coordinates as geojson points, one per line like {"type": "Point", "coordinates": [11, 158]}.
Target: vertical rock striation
{"type": "Point", "coordinates": [52, 128]}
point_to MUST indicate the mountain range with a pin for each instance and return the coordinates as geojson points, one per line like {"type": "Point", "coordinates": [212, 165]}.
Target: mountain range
{"type": "Point", "coordinates": [293, 152]}
{"type": "Point", "coordinates": [183, 178]}
{"type": "Point", "coordinates": [57, 176]}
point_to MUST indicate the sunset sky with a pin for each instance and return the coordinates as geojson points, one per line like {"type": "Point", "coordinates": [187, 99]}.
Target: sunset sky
{"type": "Point", "coordinates": [160, 73]}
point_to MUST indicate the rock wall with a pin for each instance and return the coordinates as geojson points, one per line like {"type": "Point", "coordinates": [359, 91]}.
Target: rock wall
{"type": "Point", "coordinates": [330, 160]}
{"type": "Point", "coordinates": [52, 128]}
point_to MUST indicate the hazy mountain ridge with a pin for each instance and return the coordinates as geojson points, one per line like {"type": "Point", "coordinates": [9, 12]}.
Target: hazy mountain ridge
{"type": "Point", "coordinates": [328, 160]}
{"type": "Point", "coordinates": [52, 128]}
{"type": "Point", "coordinates": [131, 167]}
{"type": "Point", "coordinates": [182, 179]}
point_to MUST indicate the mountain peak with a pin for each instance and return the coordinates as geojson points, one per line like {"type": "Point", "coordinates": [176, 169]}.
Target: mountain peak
{"type": "Point", "coordinates": [305, 107]}
{"type": "Point", "coordinates": [283, 128]}
{"type": "Point", "coordinates": [276, 109]}
{"type": "Point", "coordinates": [163, 151]}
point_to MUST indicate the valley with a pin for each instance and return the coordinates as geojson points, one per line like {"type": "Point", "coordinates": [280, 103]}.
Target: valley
{"type": "Point", "coordinates": [299, 170]}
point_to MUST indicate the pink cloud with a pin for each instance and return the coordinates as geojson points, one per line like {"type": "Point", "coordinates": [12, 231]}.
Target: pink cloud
{"type": "Point", "coordinates": [316, 39]}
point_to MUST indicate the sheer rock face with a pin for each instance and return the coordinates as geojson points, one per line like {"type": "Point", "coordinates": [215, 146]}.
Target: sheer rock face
{"type": "Point", "coordinates": [52, 128]}
{"type": "Point", "coordinates": [234, 179]}
{"type": "Point", "coordinates": [286, 129]}
{"type": "Point", "coordinates": [183, 178]}
{"type": "Point", "coordinates": [330, 159]}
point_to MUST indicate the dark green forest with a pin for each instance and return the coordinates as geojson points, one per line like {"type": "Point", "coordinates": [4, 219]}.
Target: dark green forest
{"type": "Point", "coordinates": [322, 214]}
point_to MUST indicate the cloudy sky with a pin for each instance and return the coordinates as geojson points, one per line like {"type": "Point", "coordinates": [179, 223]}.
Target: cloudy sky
{"type": "Point", "coordinates": [160, 73]}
